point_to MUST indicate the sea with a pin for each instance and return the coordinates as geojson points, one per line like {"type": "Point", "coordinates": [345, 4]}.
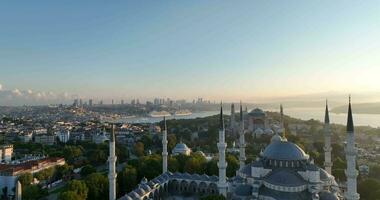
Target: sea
{"type": "Point", "coordinates": [372, 120]}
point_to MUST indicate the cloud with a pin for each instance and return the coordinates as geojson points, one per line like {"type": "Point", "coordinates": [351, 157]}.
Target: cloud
{"type": "Point", "coordinates": [17, 97]}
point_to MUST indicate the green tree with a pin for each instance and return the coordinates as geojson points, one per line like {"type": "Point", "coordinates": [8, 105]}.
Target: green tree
{"type": "Point", "coordinates": [69, 195]}
{"type": "Point", "coordinates": [97, 156]}
{"type": "Point", "coordinates": [97, 186]}
{"type": "Point", "coordinates": [87, 170]}
{"type": "Point", "coordinates": [79, 187]}
{"type": "Point", "coordinates": [45, 174]}
{"type": "Point", "coordinates": [367, 189]}
{"type": "Point", "coordinates": [126, 180]}
{"type": "Point", "coordinates": [150, 167]}
{"type": "Point", "coordinates": [138, 149]}
{"type": "Point", "coordinates": [212, 167]}
{"type": "Point", "coordinates": [63, 171]}
{"type": "Point", "coordinates": [232, 165]}
{"type": "Point", "coordinates": [25, 179]}
{"type": "Point", "coordinates": [32, 192]}
{"type": "Point", "coordinates": [71, 153]}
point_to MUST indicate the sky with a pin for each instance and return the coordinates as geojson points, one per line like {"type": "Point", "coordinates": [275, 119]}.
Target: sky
{"type": "Point", "coordinates": [230, 50]}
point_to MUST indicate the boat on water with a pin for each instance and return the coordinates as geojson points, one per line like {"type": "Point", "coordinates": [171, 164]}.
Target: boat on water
{"type": "Point", "coordinates": [159, 114]}
{"type": "Point", "coordinates": [183, 113]}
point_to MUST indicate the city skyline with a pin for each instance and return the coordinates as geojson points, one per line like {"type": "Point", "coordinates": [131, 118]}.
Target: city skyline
{"type": "Point", "coordinates": [53, 50]}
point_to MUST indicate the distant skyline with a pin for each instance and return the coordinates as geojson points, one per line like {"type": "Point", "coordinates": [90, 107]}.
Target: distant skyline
{"type": "Point", "coordinates": [251, 50]}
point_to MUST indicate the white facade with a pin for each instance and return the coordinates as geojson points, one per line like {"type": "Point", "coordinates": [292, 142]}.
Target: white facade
{"type": "Point", "coordinates": [63, 136]}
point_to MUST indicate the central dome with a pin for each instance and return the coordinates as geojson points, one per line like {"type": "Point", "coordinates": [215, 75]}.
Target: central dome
{"type": "Point", "coordinates": [284, 150]}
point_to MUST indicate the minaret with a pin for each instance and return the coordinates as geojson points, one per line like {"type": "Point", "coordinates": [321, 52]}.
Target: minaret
{"type": "Point", "coordinates": [351, 172]}
{"type": "Point", "coordinates": [222, 164]}
{"type": "Point", "coordinates": [112, 166]}
{"type": "Point", "coordinates": [18, 192]}
{"type": "Point", "coordinates": [282, 121]}
{"type": "Point", "coordinates": [232, 122]}
{"type": "Point", "coordinates": [164, 148]}
{"type": "Point", "coordinates": [242, 139]}
{"type": "Point", "coordinates": [327, 134]}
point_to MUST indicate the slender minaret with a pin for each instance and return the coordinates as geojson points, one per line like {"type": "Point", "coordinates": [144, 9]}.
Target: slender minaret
{"type": "Point", "coordinates": [242, 139]}
{"type": "Point", "coordinates": [232, 122]}
{"type": "Point", "coordinates": [112, 166]}
{"type": "Point", "coordinates": [327, 134]}
{"type": "Point", "coordinates": [222, 164]}
{"type": "Point", "coordinates": [18, 192]}
{"type": "Point", "coordinates": [282, 121]}
{"type": "Point", "coordinates": [351, 172]}
{"type": "Point", "coordinates": [164, 148]}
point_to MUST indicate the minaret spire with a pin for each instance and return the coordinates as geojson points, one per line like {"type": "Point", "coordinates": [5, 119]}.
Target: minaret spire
{"type": "Point", "coordinates": [351, 152]}
{"type": "Point", "coordinates": [242, 157]}
{"type": "Point", "coordinates": [282, 121]}
{"type": "Point", "coordinates": [327, 136]}
{"type": "Point", "coordinates": [164, 148]}
{"type": "Point", "coordinates": [112, 166]}
{"type": "Point", "coordinates": [222, 164]}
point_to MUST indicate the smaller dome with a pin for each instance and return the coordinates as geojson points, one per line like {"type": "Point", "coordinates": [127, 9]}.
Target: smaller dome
{"type": "Point", "coordinates": [259, 131]}
{"type": "Point", "coordinates": [181, 148]}
{"type": "Point", "coordinates": [276, 138]}
{"type": "Point", "coordinates": [269, 131]}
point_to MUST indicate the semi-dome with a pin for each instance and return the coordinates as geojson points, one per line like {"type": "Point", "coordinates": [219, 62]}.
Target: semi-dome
{"type": "Point", "coordinates": [285, 178]}
{"type": "Point", "coordinates": [284, 150]}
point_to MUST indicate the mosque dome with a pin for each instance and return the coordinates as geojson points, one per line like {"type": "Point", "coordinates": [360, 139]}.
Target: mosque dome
{"type": "Point", "coordinates": [257, 112]}
{"type": "Point", "coordinates": [259, 131]}
{"type": "Point", "coordinates": [280, 149]}
{"type": "Point", "coordinates": [269, 131]}
{"type": "Point", "coordinates": [181, 148]}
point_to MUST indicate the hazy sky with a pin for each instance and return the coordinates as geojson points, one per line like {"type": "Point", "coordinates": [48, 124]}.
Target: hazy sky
{"type": "Point", "coordinates": [183, 49]}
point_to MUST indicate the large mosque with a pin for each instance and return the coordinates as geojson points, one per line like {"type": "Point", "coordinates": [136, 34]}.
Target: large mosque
{"type": "Point", "coordinates": [282, 171]}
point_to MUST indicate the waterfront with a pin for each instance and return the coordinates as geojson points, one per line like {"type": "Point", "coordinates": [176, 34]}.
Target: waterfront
{"type": "Point", "coordinates": [372, 120]}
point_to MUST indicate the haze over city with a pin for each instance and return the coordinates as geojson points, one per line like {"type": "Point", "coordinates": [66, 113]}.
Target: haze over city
{"type": "Point", "coordinates": [253, 51]}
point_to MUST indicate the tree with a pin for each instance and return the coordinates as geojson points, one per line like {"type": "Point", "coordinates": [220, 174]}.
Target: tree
{"type": "Point", "coordinates": [78, 187]}
{"type": "Point", "coordinates": [97, 186]}
{"type": "Point", "coordinates": [87, 170]}
{"type": "Point", "coordinates": [45, 174]}
{"type": "Point", "coordinates": [150, 167]}
{"type": "Point", "coordinates": [71, 153]}
{"type": "Point", "coordinates": [63, 171]}
{"type": "Point", "coordinates": [97, 157]}
{"type": "Point", "coordinates": [138, 149]}
{"type": "Point", "coordinates": [32, 192]}
{"type": "Point", "coordinates": [25, 179]}
{"type": "Point", "coordinates": [126, 180]}
{"type": "Point", "coordinates": [69, 195]}
{"type": "Point", "coordinates": [232, 165]}
{"type": "Point", "coordinates": [367, 189]}
{"type": "Point", "coordinates": [212, 168]}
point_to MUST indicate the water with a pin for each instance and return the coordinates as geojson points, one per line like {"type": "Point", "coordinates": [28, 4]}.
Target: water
{"type": "Point", "coordinates": [372, 120]}
{"type": "Point", "coordinates": [157, 119]}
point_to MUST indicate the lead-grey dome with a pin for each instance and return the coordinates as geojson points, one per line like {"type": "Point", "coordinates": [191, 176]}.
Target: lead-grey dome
{"type": "Point", "coordinates": [285, 178]}
{"type": "Point", "coordinates": [257, 112]}
{"type": "Point", "coordinates": [284, 150]}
